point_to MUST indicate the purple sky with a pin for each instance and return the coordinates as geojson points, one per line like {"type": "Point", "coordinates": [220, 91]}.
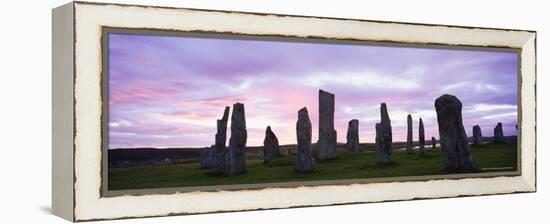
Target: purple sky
{"type": "Point", "coordinates": [169, 91]}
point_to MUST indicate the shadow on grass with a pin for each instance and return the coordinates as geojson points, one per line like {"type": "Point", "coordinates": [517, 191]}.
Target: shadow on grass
{"type": "Point", "coordinates": [303, 173]}
{"type": "Point", "coordinates": [215, 174]}
{"type": "Point", "coordinates": [378, 165]}
{"type": "Point", "coordinates": [327, 160]}
{"type": "Point", "coordinates": [478, 146]}
{"type": "Point", "coordinates": [426, 155]}
{"type": "Point", "coordinates": [281, 161]}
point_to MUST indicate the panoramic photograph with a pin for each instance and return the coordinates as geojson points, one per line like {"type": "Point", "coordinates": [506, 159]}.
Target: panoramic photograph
{"type": "Point", "coordinates": [196, 111]}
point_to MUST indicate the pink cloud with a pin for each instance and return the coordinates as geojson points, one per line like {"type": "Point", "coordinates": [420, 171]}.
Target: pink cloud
{"type": "Point", "coordinates": [136, 91]}
{"type": "Point", "coordinates": [213, 102]}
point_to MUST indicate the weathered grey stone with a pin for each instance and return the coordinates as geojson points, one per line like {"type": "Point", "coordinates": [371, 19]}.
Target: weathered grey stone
{"type": "Point", "coordinates": [434, 142]}
{"type": "Point", "coordinates": [383, 136]}
{"type": "Point", "coordinates": [218, 157]}
{"type": "Point", "coordinates": [421, 140]}
{"type": "Point", "coordinates": [409, 146]}
{"type": "Point", "coordinates": [236, 154]}
{"type": "Point", "coordinates": [385, 121]}
{"type": "Point", "coordinates": [476, 132]}
{"type": "Point", "coordinates": [381, 150]}
{"type": "Point", "coordinates": [326, 145]}
{"type": "Point", "coordinates": [353, 136]}
{"type": "Point", "coordinates": [499, 135]}
{"type": "Point", "coordinates": [452, 137]}
{"type": "Point", "coordinates": [206, 154]}
{"type": "Point", "coordinates": [304, 160]}
{"type": "Point", "coordinates": [284, 150]}
{"type": "Point", "coordinates": [271, 145]}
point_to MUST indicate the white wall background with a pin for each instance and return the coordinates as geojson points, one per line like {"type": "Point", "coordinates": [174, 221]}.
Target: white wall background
{"type": "Point", "coordinates": [25, 112]}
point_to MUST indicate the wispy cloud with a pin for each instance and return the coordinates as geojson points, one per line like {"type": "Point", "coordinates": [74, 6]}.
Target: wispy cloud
{"type": "Point", "coordinates": [490, 107]}
{"type": "Point", "coordinates": [511, 114]}
{"type": "Point", "coordinates": [365, 79]}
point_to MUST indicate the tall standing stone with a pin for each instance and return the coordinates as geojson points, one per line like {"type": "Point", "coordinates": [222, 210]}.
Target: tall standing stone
{"type": "Point", "coordinates": [326, 146]}
{"type": "Point", "coordinates": [421, 140]}
{"type": "Point", "coordinates": [383, 138]}
{"type": "Point", "coordinates": [499, 135]}
{"type": "Point", "coordinates": [236, 154]}
{"type": "Point", "coordinates": [383, 154]}
{"type": "Point", "coordinates": [353, 136]}
{"type": "Point", "coordinates": [409, 134]}
{"type": "Point", "coordinates": [476, 132]}
{"type": "Point", "coordinates": [207, 157]}
{"type": "Point", "coordinates": [304, 160]}
{"type": "Point", "coordinates": [218, 157]}
{"type": "Point", "coordinates": [452, 137]}
{"type": "Point", "coordinates": [433, 142]}
{"type": "Point", "coordinates": [385, 121]}
{"type": "Point", "coordinates": [271, 145]}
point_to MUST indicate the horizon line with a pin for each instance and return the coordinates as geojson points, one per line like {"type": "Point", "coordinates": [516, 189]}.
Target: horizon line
{"type": "Point", "coordinates": [282, 145]}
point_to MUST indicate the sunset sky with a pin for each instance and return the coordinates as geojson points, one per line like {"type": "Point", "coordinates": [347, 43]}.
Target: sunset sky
{"type": "Point", "coordinates": [168, 91]}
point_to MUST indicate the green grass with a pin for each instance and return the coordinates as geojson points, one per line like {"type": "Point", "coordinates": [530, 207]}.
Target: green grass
{"type": "Point", "coordinates": [347, 166]}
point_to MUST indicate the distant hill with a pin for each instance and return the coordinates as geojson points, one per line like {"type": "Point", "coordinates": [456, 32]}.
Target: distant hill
{"type": "Point", "coordinates": [141, 156]}
{"type": "Point", "coordinates": [128, 157]}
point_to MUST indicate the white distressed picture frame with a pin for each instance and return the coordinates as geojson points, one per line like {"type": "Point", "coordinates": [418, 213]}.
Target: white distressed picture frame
{"type": "Point", "coordinates": [77, 115]}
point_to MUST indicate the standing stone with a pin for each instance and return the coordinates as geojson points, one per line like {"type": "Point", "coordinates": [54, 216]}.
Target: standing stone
{"type": "Point", "coordinates": [218, 157]}
{"type": "Point", "coordinates": [421, 139]}
{"type": "Point", "coordinates": [433, 142]}
{"type": "Point", "coordinates": [304, 160]}
{"type": "Point", "coordinates": [409, 134]}
{"type": "Point", "coordinates": [284, 151]}
{"type": "Point", "coordinates": [353, 136]}
{"type": "Point", "coordinates": [476, 132]}
{"type": "Point", "coordinates": [383, 154]}
{"type": "Point", "coordinates": [236, 155]}
{"type": "Point", "coordinates": [326, 146]}
{"type": "Point", "coordinates": [499, 136]}
{"type": "Point", "coordinates": [385, 121]}
{"type": "Point", "coordinates": [452, 137]}
{"type": "Point", "coordinates": [206, 154]}
{"type": "Point", "coordinates": [271, 145]}
{"type": "Point", "coordinates": [383, 138]}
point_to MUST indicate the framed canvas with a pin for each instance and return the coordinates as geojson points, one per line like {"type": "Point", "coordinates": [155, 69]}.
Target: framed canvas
{"type": "Point", "coordinates": [168, 111]}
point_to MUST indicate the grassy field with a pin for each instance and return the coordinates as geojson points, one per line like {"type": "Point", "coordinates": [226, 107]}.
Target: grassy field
{"type": "Point", "coordinates": [347, 166]}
